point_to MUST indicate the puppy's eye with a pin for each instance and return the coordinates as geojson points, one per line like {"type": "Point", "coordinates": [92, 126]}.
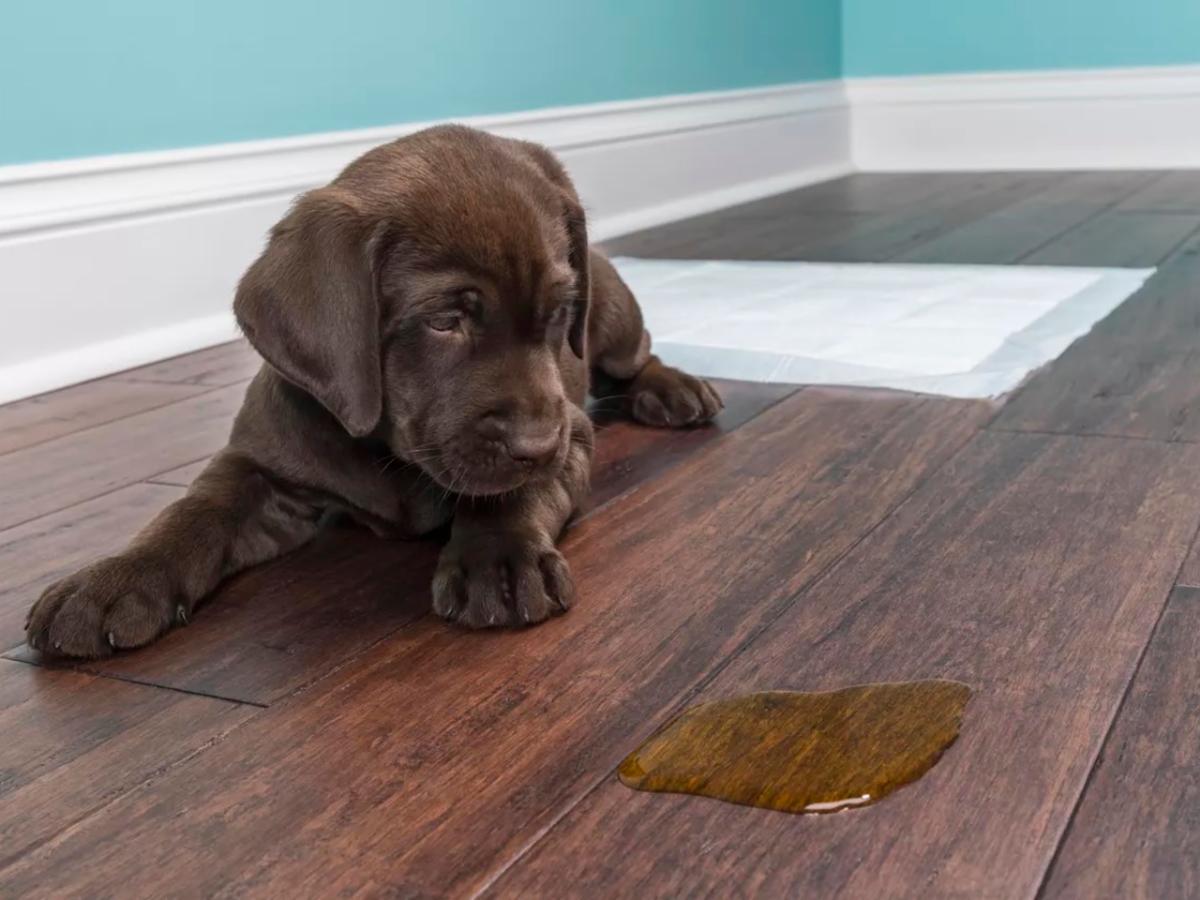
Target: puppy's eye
{"type": "Point", "coordinates": [448, 322]}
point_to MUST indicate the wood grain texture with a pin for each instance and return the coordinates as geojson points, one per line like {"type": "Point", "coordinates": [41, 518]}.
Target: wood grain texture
{"type": "Point", "coordinates": [47, 416]}
{"type": "Point", "coordinates": [890, 236]}
{"type": "Point", "coordinates": [217, 366]}
{"type": "Point", "coordinates": [1137, 830]}
{"type": "Point", "coordinates": [986, 576]}
{"type": "Point", "coordinates": [45, 549]}
{"type": "Point", "coordinates": [794, 226]}
{"type": "Point", "coordinates": [1116, 238]}
{"type": "Point", "coordinates": [72, 743]}
{"type": "Point", "coordinates": [1170, 192]}
{"type": "Point", "coordinates": [51, 476]}
{"type": "Point", "coordinates": [181, 476]}
{"type": "Point", "coordinates": [1134, 374]}
{"type": "Point", "coordinates": [629, 455]}
{"type": "Point", "coordinates": [276, 628]}
{"type": "Point", "coordinates": [1020, 228]}
{"type": "Point", "coordinates": [437, 755]}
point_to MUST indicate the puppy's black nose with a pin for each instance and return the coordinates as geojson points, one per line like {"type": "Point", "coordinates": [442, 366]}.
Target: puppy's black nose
{"type": "Point", "coordinates": [533, 442]}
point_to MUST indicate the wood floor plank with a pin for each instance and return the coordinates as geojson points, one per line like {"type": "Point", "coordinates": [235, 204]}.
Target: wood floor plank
{"type": "Point", "coordinates": [182, 476]}
{"type": "Point", "coordinates": [217, 366]}
{"type": "Point", "coordinates": [1134, 374]}
{"type": "Point", "coordinates": [47, 416]}
{"type": "Point", "coordinates": [1016, 230]}
{"type": "Point", "coordinates": [1118, 238]}
{"type": "Point", "coordinates": [448, 751]}
{"type": "Point", "coordinates": [36, 481]}
{"type": "Point", "coordinates": [1171, 192]}
{"type": "Point", "coordinates": [73, 742]}
{"type": "Point", "coordinates": [987, 576]}
{"type": "Point", "coordinates": [890, 236]}
{"type": "Point", "coordinates": [790, 228]}
{"type": "Point", "coordinates": [1189, 575]}
{"type": "Point", "coordinates": [629, 455]}
{"type": "Point", "coordinates": [43, 550]}
{"type": "Point", "coordinates": [1136, 833]}
{"type": "Point", "coordinates": [274, 629]}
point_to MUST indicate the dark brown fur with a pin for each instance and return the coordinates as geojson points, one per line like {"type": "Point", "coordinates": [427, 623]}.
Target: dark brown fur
{"type": "Point", "coordinates": [429, 321]}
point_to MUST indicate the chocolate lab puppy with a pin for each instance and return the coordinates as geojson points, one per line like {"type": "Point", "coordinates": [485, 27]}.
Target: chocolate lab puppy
{"type": "Point", "coordinates": [429, 323]}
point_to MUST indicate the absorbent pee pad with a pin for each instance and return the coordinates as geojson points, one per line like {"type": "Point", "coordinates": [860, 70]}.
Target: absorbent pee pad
{"type": "Point", "coordinates": [961, 331]}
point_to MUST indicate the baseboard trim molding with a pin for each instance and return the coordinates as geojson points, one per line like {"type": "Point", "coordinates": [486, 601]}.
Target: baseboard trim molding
{"type": "Point", "coordinates": [45, 373]}
{"type": "Point", "coordinates": [1127, 118]}
{"type": "Point", "coordinates": [117, 261]}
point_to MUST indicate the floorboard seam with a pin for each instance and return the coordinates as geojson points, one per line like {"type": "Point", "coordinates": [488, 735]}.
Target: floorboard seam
{"type": "Point", "coordinates": [942, 231]}
{"type": "Point", "coordinates": [206, 389]}
{"type": "Point", "coordinates": [51, 840]}
{"type": "Point", "coordinates": [358, 654]}
{"type": "Point", "coordinates": [191, 462]}
{"type": "Point", "coordinates": [1087, 434]}
{"type": "Point", "coordinates": [1109, 207]}
{"type": "Point", "coordinates": [82, 669]}
{"type": "Point", "coordinates": [1112, 723]}
{"type": "Point", "coordinates": [706, 680]}
{"type": "Point", "coordinates": [625, 495]}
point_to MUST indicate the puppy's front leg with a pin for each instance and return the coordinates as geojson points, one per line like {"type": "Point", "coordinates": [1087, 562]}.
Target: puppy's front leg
{"type": "Point", "coordinates": [501, 565]}
{"type": "Point", "coordinates": [232, 517]}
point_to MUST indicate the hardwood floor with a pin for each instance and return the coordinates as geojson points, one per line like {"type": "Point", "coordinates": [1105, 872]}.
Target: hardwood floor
{"type": "Point", "coordinates": [316, 732]}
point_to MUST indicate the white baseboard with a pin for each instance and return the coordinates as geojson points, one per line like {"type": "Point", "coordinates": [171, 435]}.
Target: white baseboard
{"type": "Point", "coordinates": [1131, 118]}
{"type": "Point", "coordinates": [117, 261]}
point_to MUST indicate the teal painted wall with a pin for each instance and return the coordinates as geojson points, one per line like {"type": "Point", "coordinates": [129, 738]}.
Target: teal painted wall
{"type": "Point", "coordinates": [913, 37]}
{"type": "Point", "coordinates": [88, 77]}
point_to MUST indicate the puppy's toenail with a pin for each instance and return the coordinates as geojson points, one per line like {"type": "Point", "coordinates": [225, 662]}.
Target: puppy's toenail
{"type": "Point", "coordinates": [181, 614]}
{"type": "Point", "coordinates": [112, 641]}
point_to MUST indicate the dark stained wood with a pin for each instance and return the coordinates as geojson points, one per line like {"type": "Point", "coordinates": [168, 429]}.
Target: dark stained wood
{"type": "Point", "coordinates": [45, 549]}
{"type": "Point", "coordinates": [890, 236]}
{"type": "Point", "coordinates": [47, 416]}
{"type": "Point", "coordinates": [629, 455]}
{"type": "Point", "coordinates": [986, 576]}
{"type": "Point", "coordinates": [280, 626]}
{"type": "Point", "coordinates": [438, 754]}
{"type": "Point", "coordinates": [1014, 231]}
{"type": "Point", "coordinates": [789, 228]}
{"type": "Point", "coordinates": [53, 475]}
{"type": "Point", "coordinates": [1136, 832]}
{"type": "Point", "coordinates": [718, 237]}
{"type": "Point", "coordinates": [1170, 192]}
{"type": "Point", "coordinates": [1189, 575]}
{"type": "Point", "coordinates": [181, 476]}
{"type": "Point", "coordinates": [1116, 238]}
{"type": "Point", "coordinates": [216, 366]}
{"type": "Point", "coordinates": [1134, 374]}
{"type": "Point", "coordinates": [73, 742]}
{"type": "Point", "coordinates": [285, 624]}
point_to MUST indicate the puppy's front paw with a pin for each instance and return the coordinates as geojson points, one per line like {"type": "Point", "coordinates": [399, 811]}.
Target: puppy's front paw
{"type": "Point", "coordinates": [489, 579]}
{"type": "Point", "coordinates": [668, 398]}
{"type": "Point", "coordinates": [114, 604]}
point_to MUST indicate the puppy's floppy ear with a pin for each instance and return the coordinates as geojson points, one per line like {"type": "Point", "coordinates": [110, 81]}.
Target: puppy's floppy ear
{"type": "Point", "coordinates": [308, 306]}
{"type": "Point", "coordinates": [579, 257]}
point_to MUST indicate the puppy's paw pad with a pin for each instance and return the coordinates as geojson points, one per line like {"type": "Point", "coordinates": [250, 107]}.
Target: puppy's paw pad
{"type": "Point", "coordinates": [669, 398]}
{"type": "Point", "coordinates": [487, 581]}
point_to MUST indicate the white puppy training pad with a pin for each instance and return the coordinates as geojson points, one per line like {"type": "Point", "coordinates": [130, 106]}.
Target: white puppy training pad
{"type": "Point", "coordinates": [963, 331]}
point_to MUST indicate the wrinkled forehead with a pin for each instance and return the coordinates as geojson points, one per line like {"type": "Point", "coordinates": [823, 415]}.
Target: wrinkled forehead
{"type": "Point", "coordinates": [506, 241]}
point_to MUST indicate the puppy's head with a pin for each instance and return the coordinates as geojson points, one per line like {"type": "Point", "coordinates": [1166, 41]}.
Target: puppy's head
{"type": "Point", "coordinates": [427, 297]}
